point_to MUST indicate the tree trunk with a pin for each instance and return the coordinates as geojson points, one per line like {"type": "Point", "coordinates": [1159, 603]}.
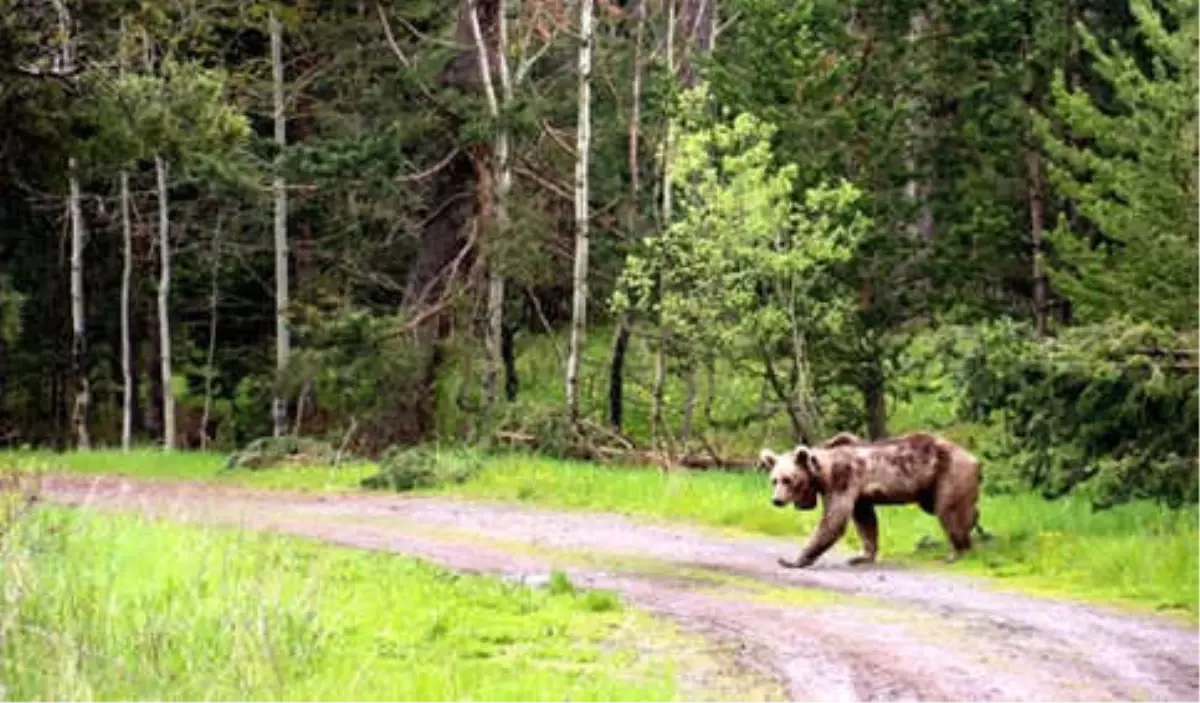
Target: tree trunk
{"type": "Point", "coordinates": [660, 362]}
{"type": "Point", "coordinates": [126, 341]}
{"type": "Point", "coordinates": [616, 371]}
{"type": "Point", "coordinates": [79, 366]}
{"type": "Point", "coordinates": [508, 353]}
{"type": "Point", "coordinates": [799, 434]}
{"type": "Point", "coordinates": [501, 183]}
{"type": "Point", "coordinates": [164, 296]}
{"type": "Point", "coordinates": [1033, 172]}
{"type": "Point", "coordinates": [153, 409]}
{"type": "Point", "coordinates": [875, 402]}
{"type": "Point", "coordinates": [582, 148]}
{"type": "Point", "coordinates": [282, 301]}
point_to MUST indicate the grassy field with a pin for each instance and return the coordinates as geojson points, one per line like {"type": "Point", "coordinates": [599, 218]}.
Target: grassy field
{"type": "Point", "coordinates": [149, 463]}
{"type": "Point", "coordinates": [102, 607]}
{"type": "Point", "coordinates": [1139, 554]}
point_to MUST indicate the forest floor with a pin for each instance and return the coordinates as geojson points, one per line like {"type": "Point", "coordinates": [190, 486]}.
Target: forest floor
{"type": "Point", "coordinates": [831, 632]}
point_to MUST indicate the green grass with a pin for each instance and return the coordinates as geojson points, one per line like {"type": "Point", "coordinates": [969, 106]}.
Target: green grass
{"type": "Point", "coordinates": [201, 466]}
{"type": "Point", "coordinates": [1138, 554]}
{"type": "Point", "coordinates": [104, 607]}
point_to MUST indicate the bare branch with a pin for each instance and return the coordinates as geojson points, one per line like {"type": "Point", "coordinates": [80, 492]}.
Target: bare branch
{"type": "Point", "coordinates": [391, 38]}
{"type": "Point", "coordinates": [485, 69]}
{"type": "Point", "coordinates": [421, 175]}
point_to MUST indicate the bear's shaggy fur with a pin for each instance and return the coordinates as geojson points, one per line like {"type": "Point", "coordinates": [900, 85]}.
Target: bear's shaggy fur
{"type": "Point", "coordinates": [852, 476]}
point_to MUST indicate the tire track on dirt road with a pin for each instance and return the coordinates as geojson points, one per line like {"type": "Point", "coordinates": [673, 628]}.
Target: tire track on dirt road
{"type": "Point", "coordinates": [831, 632]}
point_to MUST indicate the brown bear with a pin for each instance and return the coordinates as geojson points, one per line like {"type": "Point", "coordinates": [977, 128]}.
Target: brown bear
{"type": "Point", "coordinates": [853, 476]}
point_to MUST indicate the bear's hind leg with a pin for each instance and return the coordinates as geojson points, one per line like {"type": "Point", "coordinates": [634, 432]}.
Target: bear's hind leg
{"type": "Point", "coordinates": [958, 520]}
{"type": "Point", "coordinates": [867, 526]}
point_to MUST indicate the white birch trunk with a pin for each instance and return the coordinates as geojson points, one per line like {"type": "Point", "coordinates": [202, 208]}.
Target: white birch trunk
{"type": "Point", "coordinates": [282, 294]}
{"type": "Point", "coordinates": [126, 347]}
{"type": "Point", "coordinates": [164, 297]}
{"type": "Point", "coordinates": [660, 361]}
{"type": "Point", "coordinates": [582, 147]}
{"type": "Point", "coordinates": [65, 63]}
{"type": "Point", "coordinates": [501, 184]}
{"type": "Point", "coordinates": [83, 396]}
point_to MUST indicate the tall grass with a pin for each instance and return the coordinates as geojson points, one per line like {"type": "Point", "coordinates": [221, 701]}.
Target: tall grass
{"type": "Point", "coordinates": [1141, 553]}
{"type": "Point", "coordinates": [101, 607]}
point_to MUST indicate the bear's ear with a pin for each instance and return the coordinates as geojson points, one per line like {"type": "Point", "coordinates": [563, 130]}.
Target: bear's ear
{"type": "Point", "coordinates": [805, 458]}
{"type": "Point", "coordinates": [766, 458]}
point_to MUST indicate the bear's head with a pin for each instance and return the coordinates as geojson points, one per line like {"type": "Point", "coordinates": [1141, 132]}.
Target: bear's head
{"type": "Point", "coordinates": [793, 477]}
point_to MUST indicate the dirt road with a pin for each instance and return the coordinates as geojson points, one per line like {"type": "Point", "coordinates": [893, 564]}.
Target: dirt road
{"type": "Point", "coordinates": [832, 632]}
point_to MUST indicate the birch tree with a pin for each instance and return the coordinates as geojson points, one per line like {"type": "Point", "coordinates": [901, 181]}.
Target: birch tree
{"type": "Point", "coordinates": [164, 301]}
{"type": "Point", "coordinates": [282, 294]}
{"type": "Point", "coordinates": [501, 172]}
{"type": "Point", "coordinates": [582, 147]}
{"type": "Point", "coordinates": [64, 64]}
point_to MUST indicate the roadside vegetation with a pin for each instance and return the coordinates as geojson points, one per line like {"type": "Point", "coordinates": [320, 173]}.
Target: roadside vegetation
{"type": "Point", "coordinates": [1139, 554]}
{"type": "Point", "coordinates": [122, 608]}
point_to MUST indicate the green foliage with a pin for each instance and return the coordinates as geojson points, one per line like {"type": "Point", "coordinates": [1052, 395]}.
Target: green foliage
{"type": "Point", "coordinates": [743, 272]}
{"type": "Point", "coordinates": [1102, 410]}
{"type": "Point", "coordinates": [11, 302]}
{"type": "Point", "coordinates": [276, 452]}
{"type": "Point", "coordinates": [408, 468]}
{"type": "Point", "coordinates": [358, 366]}
{"type": "Point", "coordinates": [1129, 164]}
{"type": "Point", "coordinates": [183, 113]}
{"type": "Point", "coordinates": [738, 233]}
{"type": "Point", "coordinates": [118, 608]}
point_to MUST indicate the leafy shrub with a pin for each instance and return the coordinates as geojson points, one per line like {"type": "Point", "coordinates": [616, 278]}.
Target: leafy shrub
{"type": "Point", "coordinates": [271, 452]}
{"type": "Point", "coordinates": [1103, 409]}
{"type": "Point", "coordinates": [409, 468]}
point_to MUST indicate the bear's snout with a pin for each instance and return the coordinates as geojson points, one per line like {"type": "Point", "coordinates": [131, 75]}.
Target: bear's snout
{"type": "Point", "coordinates": [778, 503]}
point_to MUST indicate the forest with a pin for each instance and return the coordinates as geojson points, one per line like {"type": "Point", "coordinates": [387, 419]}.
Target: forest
{"type": "Point", "coordinates": [607, 229]}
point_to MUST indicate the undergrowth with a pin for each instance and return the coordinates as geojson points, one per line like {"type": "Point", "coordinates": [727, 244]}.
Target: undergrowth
{"type": "Point", "coordinates": [103, 607]}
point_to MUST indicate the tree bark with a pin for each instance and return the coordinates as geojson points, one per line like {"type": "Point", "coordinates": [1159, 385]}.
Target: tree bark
{"type": "Point", "coordinates": [81, 404]}
{"type": "Point", "coordinates": [875, 401]}
{"type": "Point", "coordinates": [501, 184]}
{"type": "Point", "coordinates": [126, 341]}
{"type": "Point", "coordinates": [79, 366]}
{"type": "Point", "coordinates": [582, 148]}
{"type": "Point", "coordinates": [660, 362]}
{"type": "Point", "coordinates": [282, 291]}
{"type": "Point", "coordinates": [164, 296]}
{"type": "Point", "coordinates": [616, 369]}
{"type": "Point", "coordinates": [508, 353]}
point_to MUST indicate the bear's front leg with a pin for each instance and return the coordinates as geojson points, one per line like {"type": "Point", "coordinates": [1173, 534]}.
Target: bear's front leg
{"type": "Point", "coordinates": [830, 530]}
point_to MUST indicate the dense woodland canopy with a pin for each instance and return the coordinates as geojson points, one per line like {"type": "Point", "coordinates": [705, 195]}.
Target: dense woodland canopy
{"type": "Point", "coordinates": [648, 221]}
